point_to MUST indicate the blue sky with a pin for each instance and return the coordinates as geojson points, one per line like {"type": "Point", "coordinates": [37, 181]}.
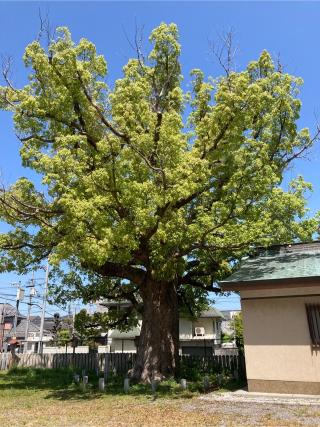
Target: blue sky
{"type": "Point", "coordinates": [288, 29]}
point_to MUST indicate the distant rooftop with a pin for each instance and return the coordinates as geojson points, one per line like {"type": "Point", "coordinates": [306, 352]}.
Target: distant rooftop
{"type": "Point", "coordinates": [211, 312]}
{"type": "Point", "coordinates": [9, 310]}
{"type": "Point", "coordinates": [286, 262]}
{"type": "Point", "coordinates": [21, 329]}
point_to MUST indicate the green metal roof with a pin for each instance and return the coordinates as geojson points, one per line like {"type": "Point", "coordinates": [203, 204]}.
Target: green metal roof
{"type": "Point", "coordinates": [276, 263]}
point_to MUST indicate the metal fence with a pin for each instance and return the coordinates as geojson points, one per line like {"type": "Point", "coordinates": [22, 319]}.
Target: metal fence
{"type": "Point", "coordinates": [121, 362]}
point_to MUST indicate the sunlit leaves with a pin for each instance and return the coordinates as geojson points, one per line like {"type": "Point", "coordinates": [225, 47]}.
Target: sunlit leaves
{"type": "Point", "coordinates": [144, 175]}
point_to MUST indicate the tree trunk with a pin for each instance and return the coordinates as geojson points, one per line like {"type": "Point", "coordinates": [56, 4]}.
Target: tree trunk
{"type": "Point", "coordinates": [158, 347]}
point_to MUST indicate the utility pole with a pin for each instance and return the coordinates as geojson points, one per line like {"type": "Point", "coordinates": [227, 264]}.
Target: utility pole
{"type": "Point", "coordinates": [74, 318]}
{"type": "Point", "coordinates": [2, 326]}
{"type": "Point", "coordinates": [31, 294]}
{"type": "Point", "coordinates": [40, 348]}
{"type": "Point", "coordinates": [20, 295]}
{"type": "Point", "coordinates": [13, 341]}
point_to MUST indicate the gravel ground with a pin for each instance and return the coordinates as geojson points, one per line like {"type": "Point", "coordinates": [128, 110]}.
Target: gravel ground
{"type": "Point", "coordinates": [253, 413]}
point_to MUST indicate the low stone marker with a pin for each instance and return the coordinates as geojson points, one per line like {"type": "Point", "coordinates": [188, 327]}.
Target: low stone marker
{"type": "Point", "coordinates": [76, 378]}
{"type": "Point", "coordinates": [126, 385]}
{"type": "Point", "coordinates": [101, 384]}
{"type": "Point", "coordinates": [206, 383]}
{"type": "Point", "coordinates": [183, 383]}
{"type": "Point", "coordinates": [154, 385]}
{"type": "Point", "coordinates": [85, 382]}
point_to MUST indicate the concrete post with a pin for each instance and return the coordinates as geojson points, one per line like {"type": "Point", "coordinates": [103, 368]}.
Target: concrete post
{"type": "Point", "coordinates": [126, 385]}
{"type": "Point", "coordinates": [206, 383]}
{"type": "Point", "coordinates": [85, 382]}
{"type": "Point", "coordinates": [154, 385]}
{"type": "Point", "coordinates": [101, 384]}
{"type": "Point", "coordinates": [183, 383]}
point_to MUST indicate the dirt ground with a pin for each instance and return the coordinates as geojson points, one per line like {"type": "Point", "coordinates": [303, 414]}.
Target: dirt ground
{"type": "Point", "coordinates": [41, 409]}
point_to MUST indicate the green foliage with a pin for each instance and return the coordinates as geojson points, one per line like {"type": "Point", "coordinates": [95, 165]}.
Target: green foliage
{"type": "Point", "coordinates": [135, 189]}
{"type": "Point", "coordinates": [226, 337]}
{"type": "Point", "coordinates": [64, 337]}
{"type": "Point", "coordinates": [89, 326]}
{"type": "Point", "coordinates": [194, 368]}
{"type": "Point", "coordinates": [57, 326]}
{"type": "Point", "coordinates": [238, 328]}
{"type": "Point", "coordinates": [61, 379]}
{"type": "Point", "coordinates": [61, 331]}
{"type": "Point", "coordinates": [41, 378]}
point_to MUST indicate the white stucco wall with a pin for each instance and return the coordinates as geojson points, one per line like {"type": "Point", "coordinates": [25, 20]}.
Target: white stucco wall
{"type": "Point", "coordinates": [276, 335]}
{"type": "Point", "coordinates": [185, 329]}
{"type": "Point", "coordinates": [207, 324]}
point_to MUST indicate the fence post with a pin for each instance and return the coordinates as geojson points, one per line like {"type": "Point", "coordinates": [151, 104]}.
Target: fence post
{"type": "Point", "coordinates": [106, 366]}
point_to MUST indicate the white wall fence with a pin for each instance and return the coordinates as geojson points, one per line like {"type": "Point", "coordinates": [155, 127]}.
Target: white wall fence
{"type": "Point", "coordinates": [68, 350]}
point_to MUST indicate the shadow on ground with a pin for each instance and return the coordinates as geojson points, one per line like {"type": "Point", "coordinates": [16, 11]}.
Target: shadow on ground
{"type": "Point", "coordinates": [61, 386]}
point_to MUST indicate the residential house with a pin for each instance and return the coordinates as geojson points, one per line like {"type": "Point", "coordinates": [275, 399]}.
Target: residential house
{"type": "Point", "coordinates": [280, 301]}
{"type": "Point", "coordinates": [227, 323]}
{"type": "Point", "coordinates": [7, 315]}
{"type": "Point", "coordinates": [30, 344]}
{"type": "Point", "coordinates": [227, 326]}
{"type": "Point", "coordinates": [197, 336]}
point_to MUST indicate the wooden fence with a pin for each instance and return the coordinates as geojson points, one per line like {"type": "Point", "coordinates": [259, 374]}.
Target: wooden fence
{"type": "Point", "coordinates": [121, 362]}
{"type": "Point", "coordinates": [232, 364]}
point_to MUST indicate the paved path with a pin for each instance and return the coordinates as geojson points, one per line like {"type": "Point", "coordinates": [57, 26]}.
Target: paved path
{"type": "Point", "coordinates": [241, 408]}
{"type": "Point", "coordinates": [243, 396]}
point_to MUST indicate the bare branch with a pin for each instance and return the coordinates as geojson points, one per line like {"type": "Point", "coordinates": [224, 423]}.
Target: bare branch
{"type": "Point", "coordinates": [136, 45]}
{"type": "Point", "coordinates": [45, 28]}
{"type": "Point", "coordinates": [225, 51]}
{"type": "Point", "coordinates": [6, 68]}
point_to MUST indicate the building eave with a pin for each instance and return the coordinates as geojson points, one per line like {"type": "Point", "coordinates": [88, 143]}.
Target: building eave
{"type": "Point", "coordinates": [270, 283]}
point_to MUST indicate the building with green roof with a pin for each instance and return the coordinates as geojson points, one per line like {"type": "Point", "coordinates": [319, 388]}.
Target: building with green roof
{"type": "Point", "coordinates": [280, 300]}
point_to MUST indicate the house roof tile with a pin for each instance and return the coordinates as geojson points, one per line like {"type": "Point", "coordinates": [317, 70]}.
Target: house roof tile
{"type": "Point", "coordinates": [9, 310]}
{"type": "Point", "coordinates": [295, 261]}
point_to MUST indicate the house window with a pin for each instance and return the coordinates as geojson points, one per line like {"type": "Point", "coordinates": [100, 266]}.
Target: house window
{"type": "Point", "coordinates": [313, 315]}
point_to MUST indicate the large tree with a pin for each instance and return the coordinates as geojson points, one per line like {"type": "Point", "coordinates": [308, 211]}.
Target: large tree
{"type": "Point", "coordinates": [149, 193]}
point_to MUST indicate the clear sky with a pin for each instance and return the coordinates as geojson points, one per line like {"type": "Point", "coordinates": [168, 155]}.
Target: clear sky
{"type": "Point", "coordinates": [288, 29]}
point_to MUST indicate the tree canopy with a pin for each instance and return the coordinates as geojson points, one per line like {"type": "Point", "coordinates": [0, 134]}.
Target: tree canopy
{"type": "Point", "coordinates": [141, 178]}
